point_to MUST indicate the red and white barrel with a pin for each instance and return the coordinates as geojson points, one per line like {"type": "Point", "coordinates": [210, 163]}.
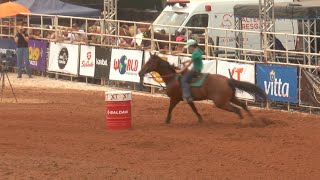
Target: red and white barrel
{"type": "Point", "coordinates": [118, 110]}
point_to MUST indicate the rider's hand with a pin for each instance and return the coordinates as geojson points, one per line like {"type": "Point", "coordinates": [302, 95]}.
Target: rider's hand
{"type": "Point", "coordinates": [178, 71]}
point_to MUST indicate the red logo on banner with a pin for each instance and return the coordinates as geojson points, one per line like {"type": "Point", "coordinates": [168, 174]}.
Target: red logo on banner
{"type": "Point", "coordinates": [238, 71]}
{"type": "Point", "coordinates": [88, 62]}
{"type": "Point", "coordinates": [89, 55]}
{"type": "Point", "coordinates": [125, 65]}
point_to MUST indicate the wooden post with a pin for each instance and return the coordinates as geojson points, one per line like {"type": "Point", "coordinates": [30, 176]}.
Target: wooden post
{"type": "Point", "coordinates": [153, 90]}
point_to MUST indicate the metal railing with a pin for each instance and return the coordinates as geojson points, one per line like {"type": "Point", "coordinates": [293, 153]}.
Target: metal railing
{"type": "Point", "coordinates": [218, 43]}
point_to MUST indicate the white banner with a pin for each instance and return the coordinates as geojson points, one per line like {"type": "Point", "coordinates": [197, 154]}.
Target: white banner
{"type": "Point", "coordinates": [87, 60]}
{"type": "Point", "coordinates": [241, 72]}
{"type": "Point", "coordinates": [125, 65]}
{"type": "Point", "coordinates": [64, 58]}
{"type": "Point", "coordinates": [209, 66]}
{"type": "Point", "coordinates": [175, 60]}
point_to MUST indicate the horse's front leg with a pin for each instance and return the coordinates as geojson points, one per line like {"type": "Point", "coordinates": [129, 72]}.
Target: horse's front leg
{"type": "Point", "coordinates": [173, 103]}
{"type": "Point", "coordinates": [193, 107]}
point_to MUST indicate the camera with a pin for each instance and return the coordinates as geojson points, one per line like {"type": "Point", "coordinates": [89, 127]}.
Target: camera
{"type": "Point", "coordinates": [3, 63]}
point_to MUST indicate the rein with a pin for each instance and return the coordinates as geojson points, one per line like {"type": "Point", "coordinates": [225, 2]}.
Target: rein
{"type": "Point", "coordinates": [152, 76]}
{"type": "Point", "coordinates": [164, 76]}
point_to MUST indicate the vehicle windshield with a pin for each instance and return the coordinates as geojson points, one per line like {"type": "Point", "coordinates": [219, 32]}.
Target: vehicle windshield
{"type": "Point", "coordinates": [170, 18]}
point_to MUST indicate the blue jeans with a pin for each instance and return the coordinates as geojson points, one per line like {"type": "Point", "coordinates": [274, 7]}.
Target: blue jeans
{"type": "Point", "coordinates": [185, 80]}
{"type": "Point", "coordinates": [23, 56]}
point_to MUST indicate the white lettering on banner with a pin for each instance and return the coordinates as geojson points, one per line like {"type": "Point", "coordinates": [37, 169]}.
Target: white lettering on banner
{"type": "Point", "coordinates": [125, 65]}
{"type": "Point", "coordinates": [59, 62]}
{"type": "Point", "coordinates": [87, 57]}
{"type": "Point", "coordinates": [118, 112]}
{"type": "Point", "coordinates": [62, 61]}
{"type": "Point", "coordinates": [34, 63]}
{"type": "Point", "coordinates": [240, 72]}
{"type": "Point", "coordinates": [102, 62]}
{"type": "Point", "coordinates": [277, 88]}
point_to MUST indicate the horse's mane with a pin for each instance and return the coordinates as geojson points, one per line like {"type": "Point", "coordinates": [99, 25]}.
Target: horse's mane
{"type": "Point", "coordinates": [166, 63]}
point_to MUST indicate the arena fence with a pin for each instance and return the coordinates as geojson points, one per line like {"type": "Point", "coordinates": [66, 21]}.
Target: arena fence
{"type": "Point", "coordinates": [290, 78]}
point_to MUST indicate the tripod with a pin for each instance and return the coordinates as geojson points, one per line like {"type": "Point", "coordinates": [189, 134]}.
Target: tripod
{"type": "Point", "coordinates": [2, 79]}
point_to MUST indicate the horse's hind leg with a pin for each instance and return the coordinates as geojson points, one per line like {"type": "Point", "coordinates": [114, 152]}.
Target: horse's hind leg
{"type": "Point", "coordinates": [193, 107]}
{"type": "Point", "coordinates": [231, 108]}
{"type": "Point", "coordinates": [241, 104]}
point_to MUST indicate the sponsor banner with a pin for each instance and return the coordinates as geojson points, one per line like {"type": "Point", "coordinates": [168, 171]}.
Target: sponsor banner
{"type": "Point", "coordinates": [125, 65]}
{"type": "Point", "coordinates": [64, 58]}
{"type": "Point", "coordinates": [8, 46]}
{"type": "Point", "coordinates": [310, 89]}
{"type": "Point", "coordinates": [87, 60]}
{"type": "Point", "coordinates": [241, 72]}
{"type": "Point", "coordinates": [37, 55]}
{"type": "Point", "coordinates": [209, 66]}
{"type": "Point", "coordinates": [157, 80]}
{"type": "Point", "coordinates": [279, 82]}
{"type": "Point", "coordinates": [103, 58]}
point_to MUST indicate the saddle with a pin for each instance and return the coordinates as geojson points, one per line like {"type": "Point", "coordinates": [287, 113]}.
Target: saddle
{"type": "Point", "coordinates": [196, 78]}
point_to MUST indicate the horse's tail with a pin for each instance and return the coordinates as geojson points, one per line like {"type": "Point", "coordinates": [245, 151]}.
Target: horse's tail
{"type": "Point", "coordinates": [249, 88]}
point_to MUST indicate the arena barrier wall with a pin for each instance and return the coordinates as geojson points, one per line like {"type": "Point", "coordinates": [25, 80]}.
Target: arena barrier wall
{"type": "Point", "coordinates": [282, 83]}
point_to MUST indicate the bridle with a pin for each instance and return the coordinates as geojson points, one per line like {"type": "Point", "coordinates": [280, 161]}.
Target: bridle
{"type": "Point", "coordinates": [163, 76]}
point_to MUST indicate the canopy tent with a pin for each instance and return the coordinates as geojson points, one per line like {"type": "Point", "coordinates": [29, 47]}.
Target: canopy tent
{"type": "Point", "coordinates": [56, 7]}
{"type": "Point", "coordinates": [12, 9]}
{"type": "Point", "coordinates": [296, 10]}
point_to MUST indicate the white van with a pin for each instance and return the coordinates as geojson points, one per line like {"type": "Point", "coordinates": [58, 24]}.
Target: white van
{"type": "Point", "coordinates": [218, 14]}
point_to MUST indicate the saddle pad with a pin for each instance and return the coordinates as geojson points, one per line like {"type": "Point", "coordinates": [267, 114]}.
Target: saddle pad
{"type": "Point", "coordinates": [199, 82]}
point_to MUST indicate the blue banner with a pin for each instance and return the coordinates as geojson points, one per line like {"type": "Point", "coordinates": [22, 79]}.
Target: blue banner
{"type": "Point", "coordinates": [279, 82]}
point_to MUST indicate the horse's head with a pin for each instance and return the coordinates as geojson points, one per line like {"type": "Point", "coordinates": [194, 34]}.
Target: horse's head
{"type": "Point", "coordinates": [151, 65]}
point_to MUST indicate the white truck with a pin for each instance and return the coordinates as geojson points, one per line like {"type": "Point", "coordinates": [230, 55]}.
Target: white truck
{"type": "Point", "coordinates": [218, 14]}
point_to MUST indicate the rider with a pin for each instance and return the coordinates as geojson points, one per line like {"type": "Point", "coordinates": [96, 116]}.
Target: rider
{"type": "Point", "coordinates": [196, 61]}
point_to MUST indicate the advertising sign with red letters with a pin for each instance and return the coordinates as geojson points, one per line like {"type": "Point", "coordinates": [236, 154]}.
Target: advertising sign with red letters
{"type": "Point", "coordinates": [241, 72]}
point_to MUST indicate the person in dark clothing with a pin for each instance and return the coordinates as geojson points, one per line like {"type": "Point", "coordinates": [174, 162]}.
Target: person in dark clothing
{"type": "Point", "coordinates": [22, 39]}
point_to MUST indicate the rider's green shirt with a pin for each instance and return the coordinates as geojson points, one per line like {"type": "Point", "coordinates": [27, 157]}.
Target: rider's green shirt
{"type": "Point", "coordinates": [197, 60]}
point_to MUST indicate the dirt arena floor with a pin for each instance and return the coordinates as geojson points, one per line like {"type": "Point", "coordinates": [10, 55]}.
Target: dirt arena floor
{"type": "Point", "coordinates": [61, 134]}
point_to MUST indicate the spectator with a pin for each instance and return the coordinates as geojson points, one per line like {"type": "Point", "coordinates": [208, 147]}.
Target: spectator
{"type": "Point", "coordinates": [94, 38]}
{"type": "Point", "coordinates": [22, 39]}
{"type": "Point", "coordinates": [124, 31]}
{"type": "Point", "coordinates": [162, 31]}
{"type": "Point", "coordinates": [179, 36]}
{"type": "Point", "coordinates": [35, 34]}
{"type": "Point", "coordinates": [77, 34]}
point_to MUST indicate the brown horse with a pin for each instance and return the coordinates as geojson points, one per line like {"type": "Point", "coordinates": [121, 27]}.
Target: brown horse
{"type": "Point", "coordinates": [221, 90]}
